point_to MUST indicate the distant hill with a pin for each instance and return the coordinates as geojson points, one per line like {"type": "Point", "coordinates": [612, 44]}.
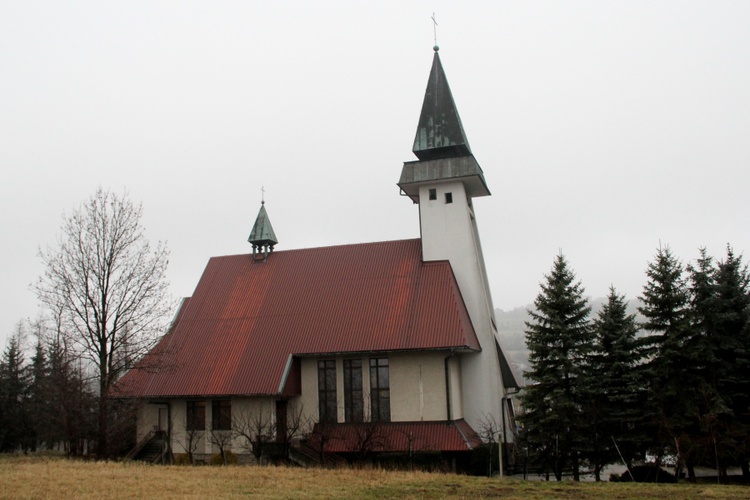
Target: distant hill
{"type": "Point", "coordinates": [511, 325]}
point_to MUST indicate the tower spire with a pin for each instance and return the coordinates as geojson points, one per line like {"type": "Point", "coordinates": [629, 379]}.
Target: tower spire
{"type": "Point", "coordinates": [440, 133]}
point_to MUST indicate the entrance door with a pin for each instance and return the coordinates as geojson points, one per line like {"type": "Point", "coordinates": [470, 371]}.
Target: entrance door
{"type": "Point", "coordinates": [162, 418]}
{"type": "Point", "coordinates": [281, 422]}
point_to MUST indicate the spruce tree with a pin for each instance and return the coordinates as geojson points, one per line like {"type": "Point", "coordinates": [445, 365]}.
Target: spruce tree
{"type": "Point", "coordinates": [616, 394]}
{"type": "Point", "coordinates": [731, 347]}
{"type": "Point", "coordinates": [14, 376]}
{"type": "Point", "coordinates": [700, 349]}
{"type": "Point", "coordinates": [559, 338]}
{"type": "Point", "coordinates": [720, 307]}
{"type": "Point", "coordinates": [666, 312]}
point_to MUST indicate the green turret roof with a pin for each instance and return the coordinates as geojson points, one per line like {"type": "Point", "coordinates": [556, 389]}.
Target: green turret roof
{"type": "Point", "coordinates": [262, 234]}
{"type": "Point", "coordinates": [440, 133]}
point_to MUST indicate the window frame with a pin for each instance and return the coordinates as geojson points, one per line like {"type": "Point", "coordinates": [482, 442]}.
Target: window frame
{"type": "Point", "coordinates": [380, 390]}
{"type": "Point", "coordinates": [195, 420]}
{"type": "Point", "coordinates": [221, 415]}
{"type": "Point", "coordinates": [353, 391]}
{"type": "Point", "coordinates": [327, 398]}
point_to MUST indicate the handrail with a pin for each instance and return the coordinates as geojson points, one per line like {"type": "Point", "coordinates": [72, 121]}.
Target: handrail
{"type": "Point", "coordinates": [143, 442]}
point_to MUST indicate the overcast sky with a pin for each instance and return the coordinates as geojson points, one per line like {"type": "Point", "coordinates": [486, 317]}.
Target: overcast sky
{"type": "Point", "coordinates": [603, 128]}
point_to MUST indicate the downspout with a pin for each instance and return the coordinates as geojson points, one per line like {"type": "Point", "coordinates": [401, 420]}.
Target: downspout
{"type": "Point", "coordinates": [448, 408]}
{"type": "Point", "coordinates": [169, 430]}
{"type": "Point", "coordinates": [503, 409]}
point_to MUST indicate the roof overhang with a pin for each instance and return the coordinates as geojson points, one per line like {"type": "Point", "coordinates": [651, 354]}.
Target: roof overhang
{"type": "Point", "coordinates": [462, 168]}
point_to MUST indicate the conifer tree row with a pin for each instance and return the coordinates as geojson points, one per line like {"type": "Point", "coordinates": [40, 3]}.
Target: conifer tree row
{"type": "Point", "coordinates": [45, 402]}
{"type": "Point", "coordinates": [601, 391]}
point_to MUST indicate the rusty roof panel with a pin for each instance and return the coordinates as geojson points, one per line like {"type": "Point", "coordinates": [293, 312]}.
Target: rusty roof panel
{"type": "Point", "coordinates": [235, 335]}
{"type": "Point", "coordinates": [402, 437]}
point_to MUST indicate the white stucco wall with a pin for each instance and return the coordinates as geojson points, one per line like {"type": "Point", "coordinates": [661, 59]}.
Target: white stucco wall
{"type": "Point", "coordinates": [418, 387]}
{"type": "Point", "coordinates": [456, 387]}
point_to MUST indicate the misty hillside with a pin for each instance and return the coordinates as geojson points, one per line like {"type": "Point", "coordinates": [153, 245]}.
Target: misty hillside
{"type": "Point", "coordinates": [511, 326]}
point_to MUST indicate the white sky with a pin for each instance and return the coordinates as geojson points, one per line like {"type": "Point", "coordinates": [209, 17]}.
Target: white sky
{"type": "Point", "coordinates": [603, 128]}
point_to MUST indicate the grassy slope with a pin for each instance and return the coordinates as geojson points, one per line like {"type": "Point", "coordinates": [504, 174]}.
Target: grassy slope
{"type": "Point", "coordinates": [58, 478]}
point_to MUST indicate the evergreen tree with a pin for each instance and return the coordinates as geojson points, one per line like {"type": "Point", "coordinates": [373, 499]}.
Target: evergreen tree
{"type": "Point", "coordinates": [14, 376]}
{"type": "Point", "coordinates": [731, 352]}
{"type": "Point", "coordinates": [71, 404]}
{"type": "Point", "coordinates": [709, 406]}
{"type": "Point", "coordinates": [560, 340]}
{"type": "Point", "coordinates": [665, 308]}
{"type": "Point", "coordinates": [616, 394]}
{"type": "Point", "coordinates": [38, 412]}
{"type": "Point", "coordinates": [720, 307]}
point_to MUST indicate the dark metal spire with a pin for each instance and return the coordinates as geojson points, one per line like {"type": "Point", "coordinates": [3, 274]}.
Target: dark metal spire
{"type": "Point", "coordinates": [440, 133]}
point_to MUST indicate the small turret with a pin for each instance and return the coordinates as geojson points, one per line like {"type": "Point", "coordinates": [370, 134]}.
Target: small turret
{"type": "Point", "coordinates": [262, 236]}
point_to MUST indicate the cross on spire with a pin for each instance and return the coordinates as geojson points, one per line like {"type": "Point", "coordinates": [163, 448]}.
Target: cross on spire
{"type": "Point", "coordinates": [434, 29]}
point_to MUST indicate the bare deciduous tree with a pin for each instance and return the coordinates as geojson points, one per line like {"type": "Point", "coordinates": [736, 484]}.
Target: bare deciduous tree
{"type": "Point", "coordinates": [256, 430]}
{"type": "Point", "coordinates": [297, 424]}
{"type": "Point", "coordinates": [223, 441]}
{"type": "Point", "coordinates": [109, 287]}
{"type": "Point", "coordinates": [368, 437]}
{"type": "Point", "coordinates": [191, 442]}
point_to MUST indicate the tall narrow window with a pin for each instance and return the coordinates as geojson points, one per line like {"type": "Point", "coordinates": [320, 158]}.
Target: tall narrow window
{"type": "Point", "coordinates": [433, 193]}
{"type": "Point", "coordinates": [195, 419]}
{"type": "Point", "coordinates": [380, 391]}
{"type": "Point", "coordinates": [449, 197]}
{"type": "Point", "coordinates": [353, 402]}
{"type": "Point", "coordinates": [221, 415]}
{"type": "Point", "coordinates": [327, 390]}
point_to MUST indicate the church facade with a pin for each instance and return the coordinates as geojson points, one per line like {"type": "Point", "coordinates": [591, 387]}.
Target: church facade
{"type": "Point", "coordinates": [343, 351]}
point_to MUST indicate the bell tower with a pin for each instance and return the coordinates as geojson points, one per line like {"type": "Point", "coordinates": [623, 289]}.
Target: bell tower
{"type": "Point", "coordinates": [444, 182]}
{"type": "Point", "coordinates": [262, 237]}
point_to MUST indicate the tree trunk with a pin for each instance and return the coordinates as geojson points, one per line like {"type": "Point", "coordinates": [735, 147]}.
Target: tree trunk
{"type": "Point", "coordinates": [691, 471]}
{"type": "Point", "coordinates": [103, 420]}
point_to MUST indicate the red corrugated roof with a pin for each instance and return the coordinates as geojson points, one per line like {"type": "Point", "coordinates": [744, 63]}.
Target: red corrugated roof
{"type": "Point", "coordinates": [396, 437]}
{"type": "Point", "coordinates": [246, 318]}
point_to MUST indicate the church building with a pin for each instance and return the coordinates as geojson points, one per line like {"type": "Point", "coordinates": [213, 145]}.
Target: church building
{"type": "Point", "coordinates": [347, 351]}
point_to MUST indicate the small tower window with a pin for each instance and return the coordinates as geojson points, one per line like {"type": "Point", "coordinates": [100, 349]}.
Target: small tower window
{"type": "Point", "coordinates": [433, 194]}
{"type": "Point", "coordinates": [448, 197]}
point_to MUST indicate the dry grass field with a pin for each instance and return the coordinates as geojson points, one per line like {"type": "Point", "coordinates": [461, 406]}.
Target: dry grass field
{"type": "Point", "coordinates": [49, 477]}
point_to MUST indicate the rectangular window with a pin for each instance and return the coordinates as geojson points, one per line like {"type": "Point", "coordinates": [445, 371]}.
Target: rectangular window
{"type": "Point", "coordinates": [353, 402]}
{"type": "Point", "coordinates": [327, 390]}
{"type": "Point", "coordinates": [433, 194]}
{"type": "Point", "coordinates": [449, 197]}
{"type": "Point", "coordinates": [380, 392]}
{"type": "Point", "coordinates": [196, 416]}
{"type": "Point", "coordinates": [221, 415]}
